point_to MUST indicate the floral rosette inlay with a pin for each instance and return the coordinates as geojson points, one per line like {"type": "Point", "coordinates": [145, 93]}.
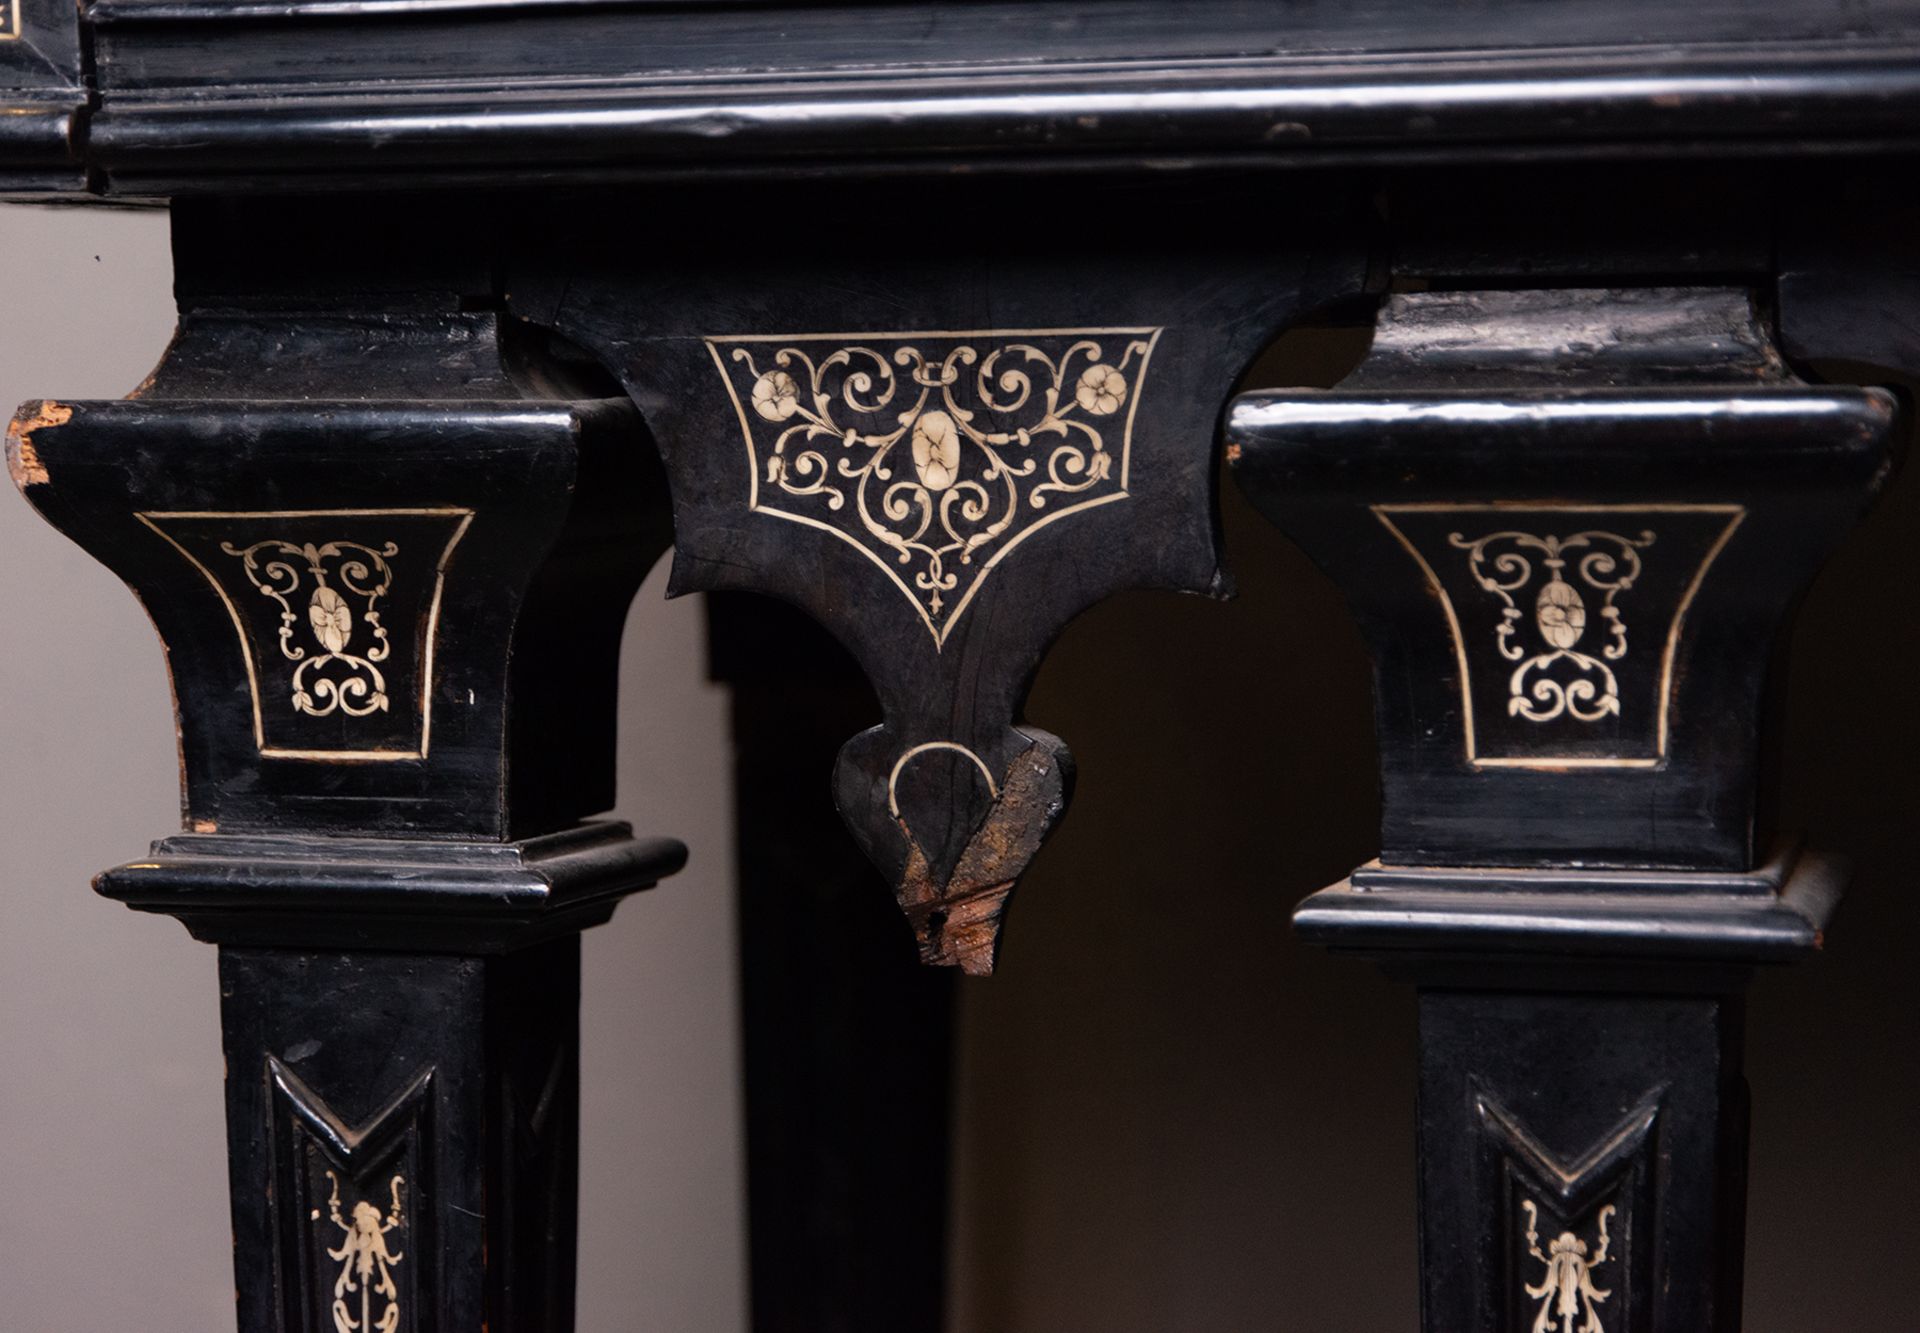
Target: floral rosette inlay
{"type": "Point", "coordinates": [936, 454]}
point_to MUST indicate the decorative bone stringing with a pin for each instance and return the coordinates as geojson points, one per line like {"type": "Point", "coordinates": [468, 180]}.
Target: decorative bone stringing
{"type": "Point", "coordinates": [938, 469]}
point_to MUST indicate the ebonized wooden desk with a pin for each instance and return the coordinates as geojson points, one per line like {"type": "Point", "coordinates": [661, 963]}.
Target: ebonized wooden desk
{"type": "Point", "coordinates": [927, 321]}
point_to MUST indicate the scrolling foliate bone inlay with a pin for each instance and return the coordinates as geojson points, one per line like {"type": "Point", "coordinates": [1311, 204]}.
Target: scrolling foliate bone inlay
{"type": "Point", "coordinates": [935, 454]}
{"type": "Point", "coordinates": [1537, 599]}
{"type": "Point", "coordinates": [1566, 1290]}
{"type": "Point", "coordinates": [1607, 563]}
{"type": "Point", "coordinates": [337, 631]}
{"type": "Point", "coordinates": [366, 1263]}
{"type": "Point", "coordinates": [348, 1257]}
{"type": "Point", "coordinates": [330, 678]}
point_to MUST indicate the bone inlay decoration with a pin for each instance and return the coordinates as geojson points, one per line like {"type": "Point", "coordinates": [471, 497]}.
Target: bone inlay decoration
{"type": "Point", "coordinates": [893, 778]}
{"type": "Point", "coordinates": [935, 454]}
{"type": "Point", "coordinates": [1569, 1298]}
{"type": "Point", "coordinates": [1556, 678]}
{"type": "Point", "coordinates": [1566, 620]}
{"type": "Point", "coordinates": [340, 585]}
{"type": "Point", "coordinates": [365, 1283]}
{"type": "Point", "coordinates": [337, 613]}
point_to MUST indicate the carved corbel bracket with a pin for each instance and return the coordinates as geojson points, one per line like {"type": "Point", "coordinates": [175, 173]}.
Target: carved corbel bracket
{"type": "Point", "coordinates": [943, 458]}
{"type": "Point", "coordinates": [387, 610]}
{"type": "Point", "coordinates": [1572, 527]}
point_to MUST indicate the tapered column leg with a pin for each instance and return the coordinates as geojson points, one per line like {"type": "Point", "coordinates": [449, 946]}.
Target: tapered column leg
{"type": "Point", "coordinates": [444, 1150]}
{"type": "Point", "coordinates": [1552, 1120]}
{"type": "Point", "coordinates": [1572, 526]}
{"type": "Point", "coordinates": [390, 583]}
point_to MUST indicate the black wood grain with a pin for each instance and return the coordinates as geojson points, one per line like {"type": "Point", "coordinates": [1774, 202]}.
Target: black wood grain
{"type": "Point", "coordinates": [195, 95]}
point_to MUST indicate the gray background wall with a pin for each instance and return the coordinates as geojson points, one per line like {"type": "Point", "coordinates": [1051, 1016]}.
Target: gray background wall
{"type": "Point", "coordinates": [1172, 1117]}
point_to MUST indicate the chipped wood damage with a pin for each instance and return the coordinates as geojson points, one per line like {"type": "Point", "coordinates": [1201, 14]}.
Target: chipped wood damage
{"type": "Point", "coordinates": [957, 923]}
{"type": "Point", "coordinates": [23, 460]}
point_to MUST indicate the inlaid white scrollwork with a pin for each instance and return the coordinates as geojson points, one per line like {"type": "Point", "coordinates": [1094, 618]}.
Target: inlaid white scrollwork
{"type": "Point", "coordinates": [1566, 1291]}
{"type": "Point", "coordinates": [1539, 688]}
{"type": "Point", "coordinates": [979, 439]}
{"type": "Point", "coordinates": [366, 1263]}
{"type": "Point", "coordinates": [333, 679]}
